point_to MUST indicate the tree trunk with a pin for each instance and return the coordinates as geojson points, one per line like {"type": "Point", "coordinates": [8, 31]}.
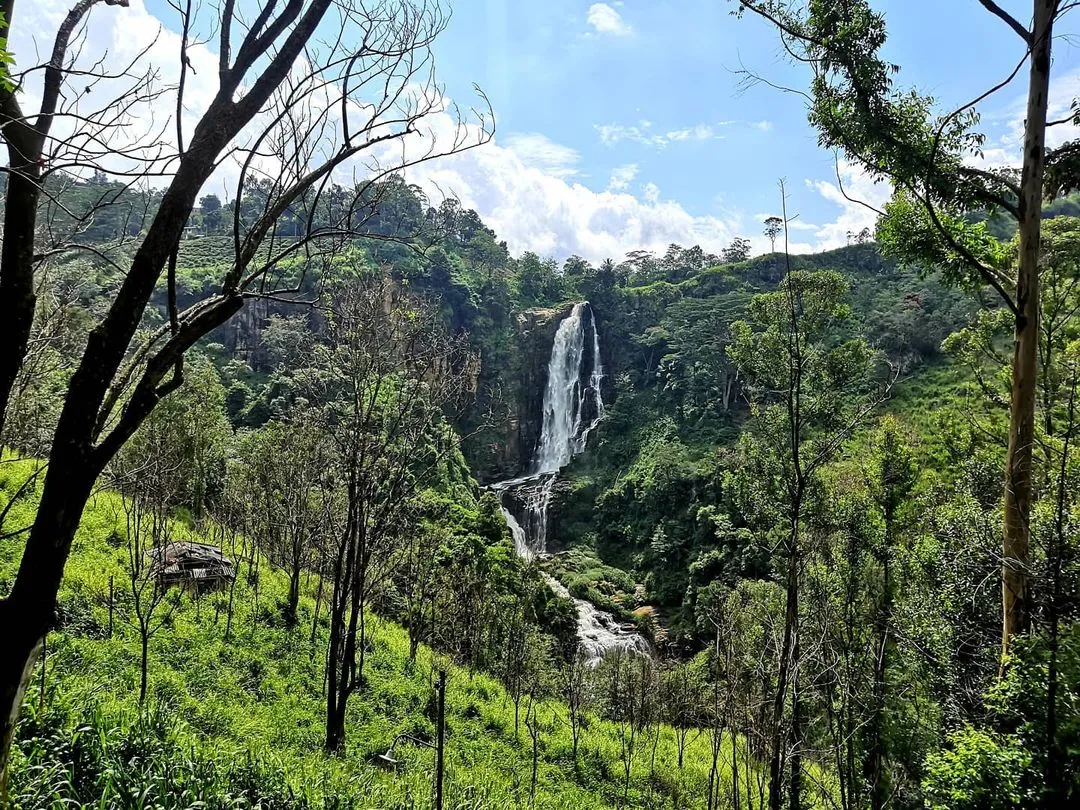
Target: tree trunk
{"type": "Point", "coordinates": [27, 612]}
{"type": "Point", "coordinates": [16, 667]}
{"type": "Point", "coordinates": [874, 770]}
{"type": "Point", "coordinates": [294, 595]}
{"type": "Point", "coordinates": [318, 608]}
{"type": "Point", "coordinates": [17, 298]}
{"type": "Point", "coordinates": [1016, 612]}
{"type": "Point", "coordinates": [143, 665]}
{"type": "Point", "coordinates": [787, 653]}
{"type": "Point", "coordinates": [797, 734]}
{"type": "Point", "coordinates": [335, 726]}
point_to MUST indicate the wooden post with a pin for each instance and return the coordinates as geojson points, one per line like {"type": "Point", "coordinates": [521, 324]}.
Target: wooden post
{"type": "Point", "coordinates": [44, 656]}
{"type": "Point", "coordinates": [440, 740]}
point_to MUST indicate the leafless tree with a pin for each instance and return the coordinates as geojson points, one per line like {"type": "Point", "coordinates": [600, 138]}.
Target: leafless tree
{"type": "Point", "coordinates": [148, 533]}
{"type": "Point", "coordinates": [146, 477]}
{"type": "Point", "coordinates": [386, 378]}
{"type": "Point", "coordinates": [682, 703]}
{"type": "Point", "coordinates": [629, 684]}
{"type": "Point", "coordinates": [419, 584]}
{"type": "Point", "coordinates": [285, 472]}
{"type": "Point", "coordinates": [576, 682]}
{"type": "Point", "coordinates": [306, 91]}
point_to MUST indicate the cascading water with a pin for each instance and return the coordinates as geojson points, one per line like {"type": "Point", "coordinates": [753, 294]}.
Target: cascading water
{"type": "Point", "coordinates": [565, 398]}
{"type": "Point", "coordinates": [570, 397]}
{"type": "Point", "coordinates": [597, 630]}
{"type": "Point", "coordinates": [573, 406]}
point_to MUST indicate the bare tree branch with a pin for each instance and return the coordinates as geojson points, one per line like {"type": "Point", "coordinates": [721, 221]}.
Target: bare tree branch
{"type": "Point", "coordinates": [1009, 20]}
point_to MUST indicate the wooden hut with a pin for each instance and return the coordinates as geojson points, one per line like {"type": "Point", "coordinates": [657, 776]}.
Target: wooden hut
{"type": "Point", "coordinates": [194, 566]}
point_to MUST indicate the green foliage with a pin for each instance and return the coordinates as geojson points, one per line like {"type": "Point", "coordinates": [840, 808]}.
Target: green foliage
{"type": "Point", "coordinates": [7, 59]}
{"type": "Point", "coordinates": [910, 234]}
{"type": "Point", "coordinates": [978, 770]}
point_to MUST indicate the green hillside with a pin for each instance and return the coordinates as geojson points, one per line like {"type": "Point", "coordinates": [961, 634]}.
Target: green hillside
{"type": "Point", "coordinates": [236, 721]}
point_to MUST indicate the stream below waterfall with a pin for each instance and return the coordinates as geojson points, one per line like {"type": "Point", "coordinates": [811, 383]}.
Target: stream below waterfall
{"type": "Point", "coordinates": [573, 406]}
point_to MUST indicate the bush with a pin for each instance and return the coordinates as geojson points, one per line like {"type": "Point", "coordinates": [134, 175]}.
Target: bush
{"type": "Point", "coordinates": [978, 771]}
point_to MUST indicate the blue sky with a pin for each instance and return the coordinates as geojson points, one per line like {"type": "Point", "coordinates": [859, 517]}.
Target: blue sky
{"type": "Point", "coordinates": [621, 125]}
{"type": "Point", "coordinates": [571, 83]}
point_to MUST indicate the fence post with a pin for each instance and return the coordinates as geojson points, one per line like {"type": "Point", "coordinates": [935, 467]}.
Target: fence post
{"type": "Point", "coordinates": [440, 741]}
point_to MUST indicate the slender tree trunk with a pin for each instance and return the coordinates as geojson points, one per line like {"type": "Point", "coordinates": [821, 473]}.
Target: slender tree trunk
{"type": "Point", "coordinates": [875, 774]}
{"type": "Point", "coordinates": [318, 608]}
{"type": "Point", "coordinates": [335, 669]}
{"type": "Point", "coordinates": [788, 652]}
{"type": "Point", "coordinates": [735, 803]}
{"type": "Point", "coordinates": [232, 589]}
{"type": "Point", "coordinates": [798, 722]}
{"type": "Point", "coordinates": [294, 594]}
{"type": "Point", "coordinates": [1016, 611]}
{"type": "Point", "coordinates": [1055, 790]}
{"type": "Point", "coordinates": [144, 632]}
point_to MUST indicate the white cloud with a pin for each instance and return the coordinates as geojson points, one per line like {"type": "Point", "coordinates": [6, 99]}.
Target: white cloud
{"type": "Point", "coordinates": [117, 45]}
{"type": "Point", "coordinates": [1063, 92]}
{"type": "Point", "coordinates": [559, 216]}
{"type": "Point", "coordinates": [606, 20]}
{"type": "Point", "coordinates": [642, 133]}
{"type": "Point", "coordinates": [700, 132]}
{"type": "Point", "coordinates": [1006, 148]}
{"type": "Point", "coordinates": [621, 176]}
{"type": "Point", "coordinates": [119, 48]}
{"type": "Point", "coordinates": [854, 215]}
{"type": "Point", "coordinates": [539, 151]}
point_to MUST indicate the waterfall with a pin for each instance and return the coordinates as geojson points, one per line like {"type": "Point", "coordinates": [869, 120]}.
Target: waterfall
{"type": "Point", "coordinates": [565, 397]}
{"type": "Point", "coordinates": [572, 396]}
{"type": "Point", "coordinates": [521, 544]}
{"type": "Point", "coordinates": [573, 407]}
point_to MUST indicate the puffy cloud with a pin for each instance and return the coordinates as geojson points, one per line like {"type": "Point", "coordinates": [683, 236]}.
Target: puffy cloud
{"type": "Point", "coordinates": [606, 20]}
{"type": "Point", "coordinates": [557, 216]}
{"type": "Point", "coordinates": [859, 191]}
{"type": "Point", "coordinates": [621, 176]}
{"type": "Point", "coordinates": [1005, 148]}
{"type": "Point", "coordinates": [119, 49]}
{"type": "Point", "coordinates": [527, 187]}
{"type": "Point", "coordinates": [539, 151]}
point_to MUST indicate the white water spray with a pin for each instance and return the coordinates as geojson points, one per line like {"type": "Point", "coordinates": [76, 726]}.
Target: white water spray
{"type": "Point", "coordinates": [597, 630]}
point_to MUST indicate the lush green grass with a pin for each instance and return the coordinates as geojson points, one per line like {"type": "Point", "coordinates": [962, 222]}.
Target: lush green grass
{"type": "Point", "coordinates": [243, 716]}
